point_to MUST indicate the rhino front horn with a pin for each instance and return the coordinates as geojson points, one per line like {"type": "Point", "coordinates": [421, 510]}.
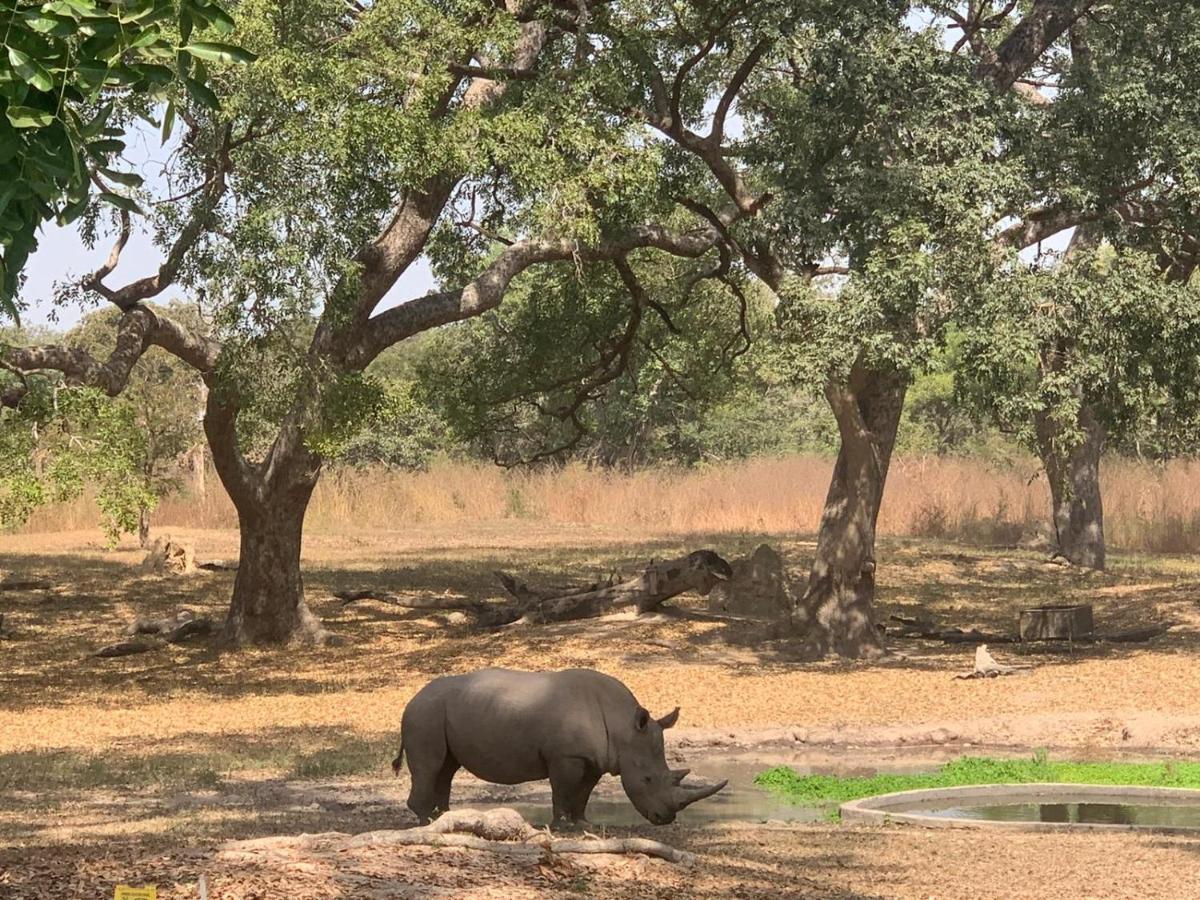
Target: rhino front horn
{"type": "Point", "coordinates": [686, 796]}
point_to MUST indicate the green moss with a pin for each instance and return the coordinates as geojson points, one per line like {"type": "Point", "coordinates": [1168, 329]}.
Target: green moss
{"type": "Point", "coordinates": [823, 790]}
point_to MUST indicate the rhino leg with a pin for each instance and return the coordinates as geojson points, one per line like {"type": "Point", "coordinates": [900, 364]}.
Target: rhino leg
{"type": "Point", "coordinates": [432, 769]}
{"type": "Point", "coordinates": [571, 784]}
{"type": "Point", "coordinates": [441, 787]}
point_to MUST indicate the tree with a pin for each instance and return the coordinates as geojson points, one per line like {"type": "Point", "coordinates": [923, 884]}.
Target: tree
{"type": "Point", "coordinates": [1115, 357]}
{"type": "Point", "coordinates": [59, 137]}
{"type": "Point", "coordinates": [1096, 350]}
{"type": "Point", "coordinates": [363, 137]}
{"type": "Point", "coordinates": [873, 151]}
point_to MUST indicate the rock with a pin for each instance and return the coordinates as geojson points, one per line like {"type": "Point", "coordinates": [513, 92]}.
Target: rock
{"type": "Point", "coordinates": [456, 618]}
{"type": "Point", "coordinates": [758, 588]}
{"type": "Point", "coordinates": [942, 736]}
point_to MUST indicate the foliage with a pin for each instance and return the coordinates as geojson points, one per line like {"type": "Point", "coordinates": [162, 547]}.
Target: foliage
{"type": "Point", "coordinates": [63, 440]}
{"type": "Point", "coordinates": [1105, 329]}
{"type": "Point", "coordinates": [162, 402]}
{"type": "Point", "coordinates": [820, 790]}
{"type": "Point", "coordinates": [64, 62]}
{"type": "Point", "coordinates": [575, 364]}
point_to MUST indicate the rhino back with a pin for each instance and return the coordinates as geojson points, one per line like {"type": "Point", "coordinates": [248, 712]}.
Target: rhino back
{"type": "Point", "coordinates": [506, 726]}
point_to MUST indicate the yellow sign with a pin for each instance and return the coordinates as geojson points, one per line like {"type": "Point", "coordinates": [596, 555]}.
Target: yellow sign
{"type": "Point", "coordinates": [125, 892]}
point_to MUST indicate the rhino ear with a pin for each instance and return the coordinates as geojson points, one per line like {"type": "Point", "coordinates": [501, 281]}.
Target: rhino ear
{"type": "Point", "coordinates": [669, 719]}
{"type": "Point", "coordinates": [641, 719]}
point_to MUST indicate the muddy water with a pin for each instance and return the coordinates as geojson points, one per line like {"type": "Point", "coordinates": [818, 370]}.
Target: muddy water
{"type": "Point", "coordinates": [740, 801]}
{"type": "Point", "coordinates": [1113, 812]}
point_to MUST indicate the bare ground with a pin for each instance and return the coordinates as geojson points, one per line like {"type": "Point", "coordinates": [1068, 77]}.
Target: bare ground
{"type": "Point", "coordinates": [139, 769]}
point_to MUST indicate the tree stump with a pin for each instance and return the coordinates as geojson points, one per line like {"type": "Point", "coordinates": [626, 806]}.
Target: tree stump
{"type": "Point", "coordinates": [758, 588]}
{"type": "Point", "coordinates": [1056, 623]}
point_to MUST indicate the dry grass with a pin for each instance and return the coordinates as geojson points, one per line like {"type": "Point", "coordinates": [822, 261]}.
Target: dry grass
{"type": "Point", "coordinates": [1148, 507]}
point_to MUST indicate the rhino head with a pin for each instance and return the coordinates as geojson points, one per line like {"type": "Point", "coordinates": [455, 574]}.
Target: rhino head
{"type": "Point", "coordinates": [656, 791]}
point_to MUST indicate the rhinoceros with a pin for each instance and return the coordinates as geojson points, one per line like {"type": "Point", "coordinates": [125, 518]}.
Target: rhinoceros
{"type": "Point", "coordinates": [510, 727]}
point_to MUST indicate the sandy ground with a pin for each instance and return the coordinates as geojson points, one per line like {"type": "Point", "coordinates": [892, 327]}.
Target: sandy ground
{"type": "Point", "coordinates": [141, 768]}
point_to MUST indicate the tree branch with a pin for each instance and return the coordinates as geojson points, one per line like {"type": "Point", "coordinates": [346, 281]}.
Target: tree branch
{"type": "Point", "coordinates": [487, 290]}
{"type": "Point", "coordinates": [1044, 24]}
{"type": "Point", "coordinates": [138, 329]}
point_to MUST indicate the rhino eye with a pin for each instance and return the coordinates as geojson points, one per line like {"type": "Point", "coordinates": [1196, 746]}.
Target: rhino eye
{"type": "Point", "coordinates": [649, 778]}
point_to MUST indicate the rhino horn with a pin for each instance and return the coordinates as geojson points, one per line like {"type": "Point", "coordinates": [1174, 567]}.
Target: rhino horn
{"type": "Point", "coordinates": [677, 775]}
{"type": "Point", "coordinates": [686, 796]}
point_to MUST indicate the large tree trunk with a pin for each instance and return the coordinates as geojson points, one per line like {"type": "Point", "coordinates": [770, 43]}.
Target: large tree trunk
{"type": "Point", "coordinates": [1073, 470]}
{"type": "Point", "coordinates": [836, 612]}
{"type": "Point", "coordinates": [271, 498]}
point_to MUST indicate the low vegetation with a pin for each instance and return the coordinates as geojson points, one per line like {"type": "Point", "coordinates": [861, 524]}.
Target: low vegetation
{"type": "Point", "coordinates": [831, 790]}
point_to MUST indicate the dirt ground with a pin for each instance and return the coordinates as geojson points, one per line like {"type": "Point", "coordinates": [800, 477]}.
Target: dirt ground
{"type": "Point", "coordinates": [141, 769]}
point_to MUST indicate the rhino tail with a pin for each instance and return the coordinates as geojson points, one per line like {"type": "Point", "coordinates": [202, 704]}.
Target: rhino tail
{"type": "Point", "coordinates": [399, 760]}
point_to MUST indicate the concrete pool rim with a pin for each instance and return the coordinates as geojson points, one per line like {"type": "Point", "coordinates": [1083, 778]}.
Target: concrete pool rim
{"type": "Point", "coordinates": [897, 807]}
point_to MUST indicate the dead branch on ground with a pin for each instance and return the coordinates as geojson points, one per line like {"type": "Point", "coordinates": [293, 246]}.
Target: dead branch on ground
{"type": "Point", "coordinates": [501, 831]}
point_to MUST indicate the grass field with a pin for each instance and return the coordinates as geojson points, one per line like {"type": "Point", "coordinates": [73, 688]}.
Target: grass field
{"type": "Point", "coordinates": [1148, 507]}
{"type": "Point", "coordinates": [108, 765]}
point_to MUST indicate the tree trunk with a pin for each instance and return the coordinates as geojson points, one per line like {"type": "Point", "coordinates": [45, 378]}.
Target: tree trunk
{"type": "Point", "coordinates": [268, 604]}
{"type": "Point", "coordinates": [1074, 475]}
{"type": "Point", "coordinates": [836, 612]}
{"type": "Point", "coordinates": [271, 498]}
{"type": "Point", "coordinates": [144, 528]}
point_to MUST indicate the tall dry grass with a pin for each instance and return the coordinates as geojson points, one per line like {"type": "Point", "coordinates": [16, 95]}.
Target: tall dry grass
{"type": "Point", "coordinates": [1148, 507]}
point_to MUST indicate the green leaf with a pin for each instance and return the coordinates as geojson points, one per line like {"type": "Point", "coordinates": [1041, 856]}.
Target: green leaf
{"type": "Point", "coordinates": [146, 38]}
{"type": "Point", "coordinates": [119, 201]}
{"type": "Point", "coordinates": [103, 147]}
{"type": "Point", "coordinates": [154, 74]}
{"type": "Point", "coordinates": [96, 125]}
{"type": "Point", "coordinates": [30, 70]}
{"type": "Point", "coordinates": [202, 93]}
{"type": "Point", "coordinates": [28, 117]}
{"type": "Point", "coordinates": [223, 53]}
{"type": "Point", "coordinates": [220, 20]}
{"type": "Point", "coordinates": [129, 179]}
{"type": "Point", "coordinates": [168, 124]}
{"type": "Point", "coordinates": [72, 211]}
{"type": "Point", "coordinates": [57, 25]}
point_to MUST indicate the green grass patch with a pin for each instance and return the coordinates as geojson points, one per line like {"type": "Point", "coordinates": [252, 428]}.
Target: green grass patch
{"type": "Point", "coordinates": [830, 790]}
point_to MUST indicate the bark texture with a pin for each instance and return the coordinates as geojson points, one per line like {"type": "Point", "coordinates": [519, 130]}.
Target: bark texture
{"type": "Point", "coordinates": [837, 612]}
{"type": "Point", "coordinates": [271, 498]}
{"type": "Point", "coordinates": [1073, 470]}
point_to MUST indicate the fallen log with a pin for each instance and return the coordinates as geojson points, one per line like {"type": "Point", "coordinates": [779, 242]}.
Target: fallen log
{"type": "Point", "coordinates": [699, 571]}
{"type": "Point", "coordinates": [1135, 635]}
{"type": "Point", "coordinates": [127, 648]}
{"type": "Point", "coordinates": [173, 629]}
{"type": "Point", "coordinates": [24, 584]}
{"type": "Point", "coordinates": [501, 831]}
{"type": "Point", "coordinates": [414, 602]}
{"type": "Point", "coordinates": [152, 634]}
